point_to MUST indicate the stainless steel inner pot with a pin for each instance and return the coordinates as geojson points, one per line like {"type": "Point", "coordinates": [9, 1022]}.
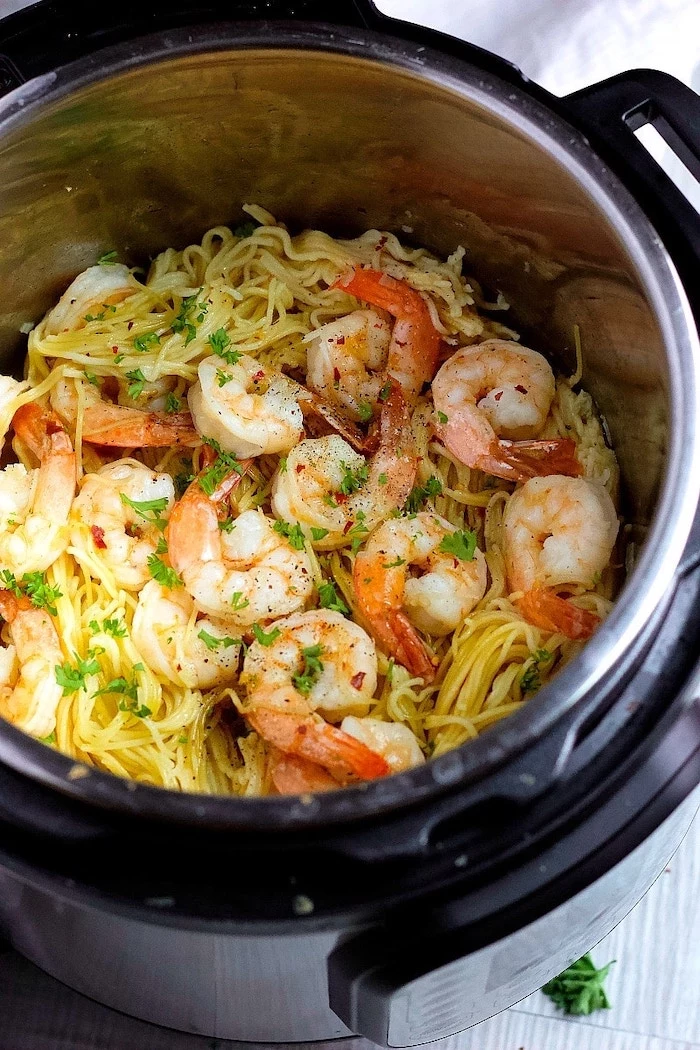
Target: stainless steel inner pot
{"type": "Point", "coordinates": [149, 144]}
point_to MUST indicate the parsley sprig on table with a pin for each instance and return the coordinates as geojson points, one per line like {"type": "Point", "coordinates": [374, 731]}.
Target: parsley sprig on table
{"type": "Point", "coordinates": [579, 989]}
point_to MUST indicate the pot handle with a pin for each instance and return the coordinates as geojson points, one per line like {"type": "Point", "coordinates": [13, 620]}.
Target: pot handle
{"type": "Point", "coordinates": [610, 112]}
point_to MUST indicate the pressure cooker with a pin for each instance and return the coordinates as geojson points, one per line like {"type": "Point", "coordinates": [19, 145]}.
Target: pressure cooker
{"type": "Point", "coordinates": [409, 908]}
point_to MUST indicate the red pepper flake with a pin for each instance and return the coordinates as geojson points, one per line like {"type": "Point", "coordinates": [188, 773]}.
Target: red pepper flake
{"type": "Point", "coordinates": [299, 467]}
{"type": "Point", "coordinates": [357, 680]}
{"type": "Point", "coordinates": [340, 341]}
{"type": "Point", "coordinates": [336, 375]}
{"type": "Point", "coordinates": [98, 536]}
{"type": "Point", "coordinates": [340, 497]}
{"type": "Point", "coordinates": [380, 244]}
{"type": "Point", "coordinates": [399, 343]}
{"type": "Point", "coordinates": [115, 349]}
{"type": "Point", "coordinates": [498, 396]}
{"type": "Point", "coordinates": [258, 376]}
{"type": "Point", "coordinates": [130, 326]}
{"type": "Point", "coordinates": [521, 389]}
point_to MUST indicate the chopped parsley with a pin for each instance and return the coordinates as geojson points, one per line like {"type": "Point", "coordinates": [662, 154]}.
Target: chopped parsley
{"type": "Point", "coordinates": [530, 680]}
{"type": "Point", "coordinates": [128, 691]}
{"type": "Point", "coordinates": [107, 259]}
{"type": "Point", "coordinates": [283, 464]}
{"type": "Point", "coordinates": [291, 532]}
{"type": "Point", "coordinates": [311, 670]}
{"type": "Point", "coordinates": [461, 544]}
{"type": "Point", "coordinates": [162, 573]}
{"type": "Point", "coordinates": [364, 411]}
{"type": "Point", "coordinates": [442, 418]}
{"type": "Point", "coordinates": [115, 627]}
{"type": "Point", "coordinates": [330, 502]}
{"type": "Point", "coordinates": [172, 404]}
{"type": "Point", "coordinates": [353, 480]}
{"type": "Point", "coordinates": [384, 392]}
{"type": "Point", "coordinates": [182, 482]}
{"type": "Point", "coordinates": [330, 599]}
{"type": "Point", "coordinates": [262, 637]}
{"type": "Point", "coordinates": [394, 564]}
{"type": "Point", "coordinates": [579, 989]}
{"type": "Point", "coordinates": [220, 342]}
{"type": "Point", "coordinates": [34, 585]}
{"type": "Point", "coordinates": [223, 378]}
{"type": "Point", "coordinates": [358, 532]}
{"type": "Point", "coordinates": [383, 479]}
{"type": "Point", "coordinates": [50, 739]}
{"type": "Point", "coordinates": [186, 319]}
{"type": "Point", "coordinates": [420, 493]}
{"type": "Point", "coordinates": [92, 378]}
{"type": "Point", "coordinates": [94, 317]}
{"type": "Point", "coordinates": [225, 462]}
{"type": "Point", "coordinates": [213, 643]}
{"type": "Point", "coordinates": [71, 678]}
{"type": "Point", "coordinates": [148, 509]}
{"type": "Point", "coordinates": [245, 229]}
{"type": "Point", "coordinates": [138, 381]}
{"type": "Point", "coordinates": [227, 525]}
{"type": "Point", "coordinates": [318, 534]}
{"type": "Point", "coordinates": [144, 342]}
{"type": "Point", "coordinates": [238, 601]}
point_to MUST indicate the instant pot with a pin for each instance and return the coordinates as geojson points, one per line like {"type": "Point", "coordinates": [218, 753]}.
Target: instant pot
{"type": "Point", "coordinates": [410, 908]}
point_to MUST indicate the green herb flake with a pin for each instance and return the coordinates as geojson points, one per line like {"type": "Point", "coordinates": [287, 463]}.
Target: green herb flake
{"type": "Point", "coordinates": [530, 679]}
{"type": "Point", "coordinates": [330, 502]}
{"type": "Point", "coordinates": [183, 323]}
{"type": "Point", "coordinates": [137, 383]}
{"type": "Point", "coordinates": [579, 989]}
{"type": "Point", "coordinates": [162, 573]}
{"type": "Point", "coordinates": [71, 678]}
{"type": "Point", "coordinates": [292, 533]}
{"type": "Point", "coordinates": [329, 598]}
{"type": "Point", "coordinates": [50, 739]}
{"type": "Point", "coordinates": [94, 317]}
{"type": "Point", "coordinates": [92, 378]}
{"type": "Point", "coordinates": [311, 670]}
{"type": "Point", "coordinates": [172, 404]}
{"type": "Point", "coordinates": [238, 601]}
{"type": "Point", "coordinates": [358, 532]}
{"type": "Point", "coordinates": [227, 525]}
{"type": "Point", "coordinates": [394, 564]}
{"type": "Point", "coordinates": [461, 544]}
{"type": "Point", "coordinates": [245, 229]}
{"type": "Point", "coordinates": [34, 585]}
{"type": "Point", "coordinates": [364, 411]}
{"type": "Point", "coordinates": [283, 464]}
{"type": "Point", "coordinates": [223, 378]}
{"type": "Point", "coordinates": [107, 259]}
{"type": "Point", "coordinates": [143, 343]}
{"type": "Point", "coordinates": [318, 534]}
{"type": "Point", "coordinates": [384, 392]}
{"type": "Point", "coordinates": [262, 637]}
{"type": "Point", "coordinates": [383, 479]}
{"type": "Point", "coordinates": [213, 643]}
{"type": "Point", "coordinates": [114, 626]}
{"type": "Point", "coordinates": [420, 493]}
{"type": "Point", "coordinates": [148, 509]}
{"type": "Point", "coordinates": [220, 341]}
{"type": "Point", "coordinates": [442, 418]}
{"type": "Point", "coordinates": [182, 482]}
{"type": "Point", "coordinates": [353, 480]}
{"type": "Point", "coordinates": [225, 462]}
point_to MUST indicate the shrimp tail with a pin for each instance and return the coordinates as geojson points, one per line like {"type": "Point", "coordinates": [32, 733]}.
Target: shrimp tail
{"type": "Point", "coordinates": [322, 418]}
{"type": "Point", "coordinates": [548, 611]}
{"type": "Point", "coordinates": [122, 427]}
{"type": "Point", "coordinates": [345, 757]}
{"type": "Point", "coordinates": [538, 458]}
{"type": "Point", "coordinates": [36, 425]}
{"type": "Point", "coordinates": [292, 775]}
{"type": "Point", "coordinates": [11, 605]}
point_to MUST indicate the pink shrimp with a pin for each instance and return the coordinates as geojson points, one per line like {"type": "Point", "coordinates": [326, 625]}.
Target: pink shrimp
{"type": "Point", "coordinates": [415, 342]}
{"type": "Point", "coordinates": [292, 775]}
{"type": "Point", "coordinates": [491, 400]}
{"type": "Point", "coordinates": [29, 692]}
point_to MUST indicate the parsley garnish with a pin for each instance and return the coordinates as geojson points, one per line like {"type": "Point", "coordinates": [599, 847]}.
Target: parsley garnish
{"type": "Point", "coordinates": [94, 317]}
{"type": "Point", "coordinates": [318, 534]}
{"type": "Point", "coordinates": [184, 321]}
{"type": "Point", "coordinates": [182, 482]}
{"type": "Point", "coordinates": [238, 601]}
{"type": "Point", "coordinates": [138, 381]}
{"type": "Point", "coordinates": [108, 259]}
{"type": "Point", "coordinates": [312, 669]}
{"type": "Point", "coordinates": [579, 989]}
{"type": "Point", "coordinates": [92, 378]}
{"type": "Point", "coordinates": [530, 680]}
{"type": "Point", "coordinates": [353, 480]}
{"type": "Point", "coordinates": [364, 411]}
{"type": "Point", "coordinates": [283, 464]}
{"type": "Point", "coordinates": [265, 639]}
{"type": "Point", "coordinates": [227, 525]}
{"type": "Point", "coordinates": [330, 502]}
{"type": "Point", "coordinates": [71, 678]}
{"type": "Point", "coordinates": [291, 532]}
{"type": "Point", "coordinates": [223, 378]}
{"type": "Point", "coordinates": [220, 341]}
{"type": "Point", "coordinates": [213, 643]}
{"type": "Point", "coordinates": [442, 418]}
{"type": "Point", "coordinates": [358, 532]}
{"type": "Point", "coordinates": [149, 509]}
{"type": "Point", "coordinates": [383, 479]}
{"type": "Point", "coordinates": [143, 342]}
{"type": "Point", "coordinates": [394, 564]}
{"type": "Point", "coordinates": [129, 693]}
{"type": "Point", "coordinates": [114, 627]}
{"type": "Point", "coordinates": [225, 462]}
{"type": "Point", "coordinates": [330, 599]}
{"type": "Point", "coordinates": [420, 493]}
{"type": "Point", "coordinates": [462, 544]}
{"type": "Point", "coordinates": [34, 585]}
{"type": "Point", "coordinates": [162, 573]}
{"type": "Point", "coordinates": [172, 404]}
{"type": "Point", "coordinates": [384, 392]}
{"type": "Point", "coordinates": [50, 739]}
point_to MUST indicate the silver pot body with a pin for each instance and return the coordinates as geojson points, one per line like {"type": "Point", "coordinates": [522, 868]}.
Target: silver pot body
{"type": "Point", "coordinates": [150, 144]}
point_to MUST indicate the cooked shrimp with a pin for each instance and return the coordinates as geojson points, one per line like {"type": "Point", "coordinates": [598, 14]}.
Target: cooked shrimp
{"type": "Point", "coordinates": [29, 692]}
{"type": "Point", "coordinates": [249, 574]}
{"type": "Point", "coordinates": [92, 289]}
{"type": "Point", "coordinates": [35, 504]}
{"type": "Point", "coordinates": [292, 775]}
{"type": "Point", "coordinates": [121, 536]}
{"type": "Point", "coordinates": [346, 359]}
{"type": "Point", "coordinates": [558, 531]}
{"type": "Point", "coordinates": [317, 663]}
{"type": "Point", "coordinates": [105, 423]}
{"type": "Point", "coordinates": [415, 342]}
{"type": "Point", "coordinates": [199, 655]}
{"type": "Point", "coordinates": [248, 409]}
{"type": "Point", "coordinates": [396, 743]}
{"type": "Point", "coordinates": [326, 486]}
{"type": "Point", "coordinates": [394, 603]}
{"type": "Point", "coordinates": [490, 401]}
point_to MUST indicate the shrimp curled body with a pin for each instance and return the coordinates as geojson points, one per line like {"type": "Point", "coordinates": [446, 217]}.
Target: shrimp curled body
{"type": "Point", "coordinates": [29, 692]}
{"type": "Point", "coordinates": [346, 358]}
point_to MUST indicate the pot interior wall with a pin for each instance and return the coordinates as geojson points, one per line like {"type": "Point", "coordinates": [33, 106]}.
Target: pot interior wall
{"type": "Point", "coordinates": [157, 154]}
